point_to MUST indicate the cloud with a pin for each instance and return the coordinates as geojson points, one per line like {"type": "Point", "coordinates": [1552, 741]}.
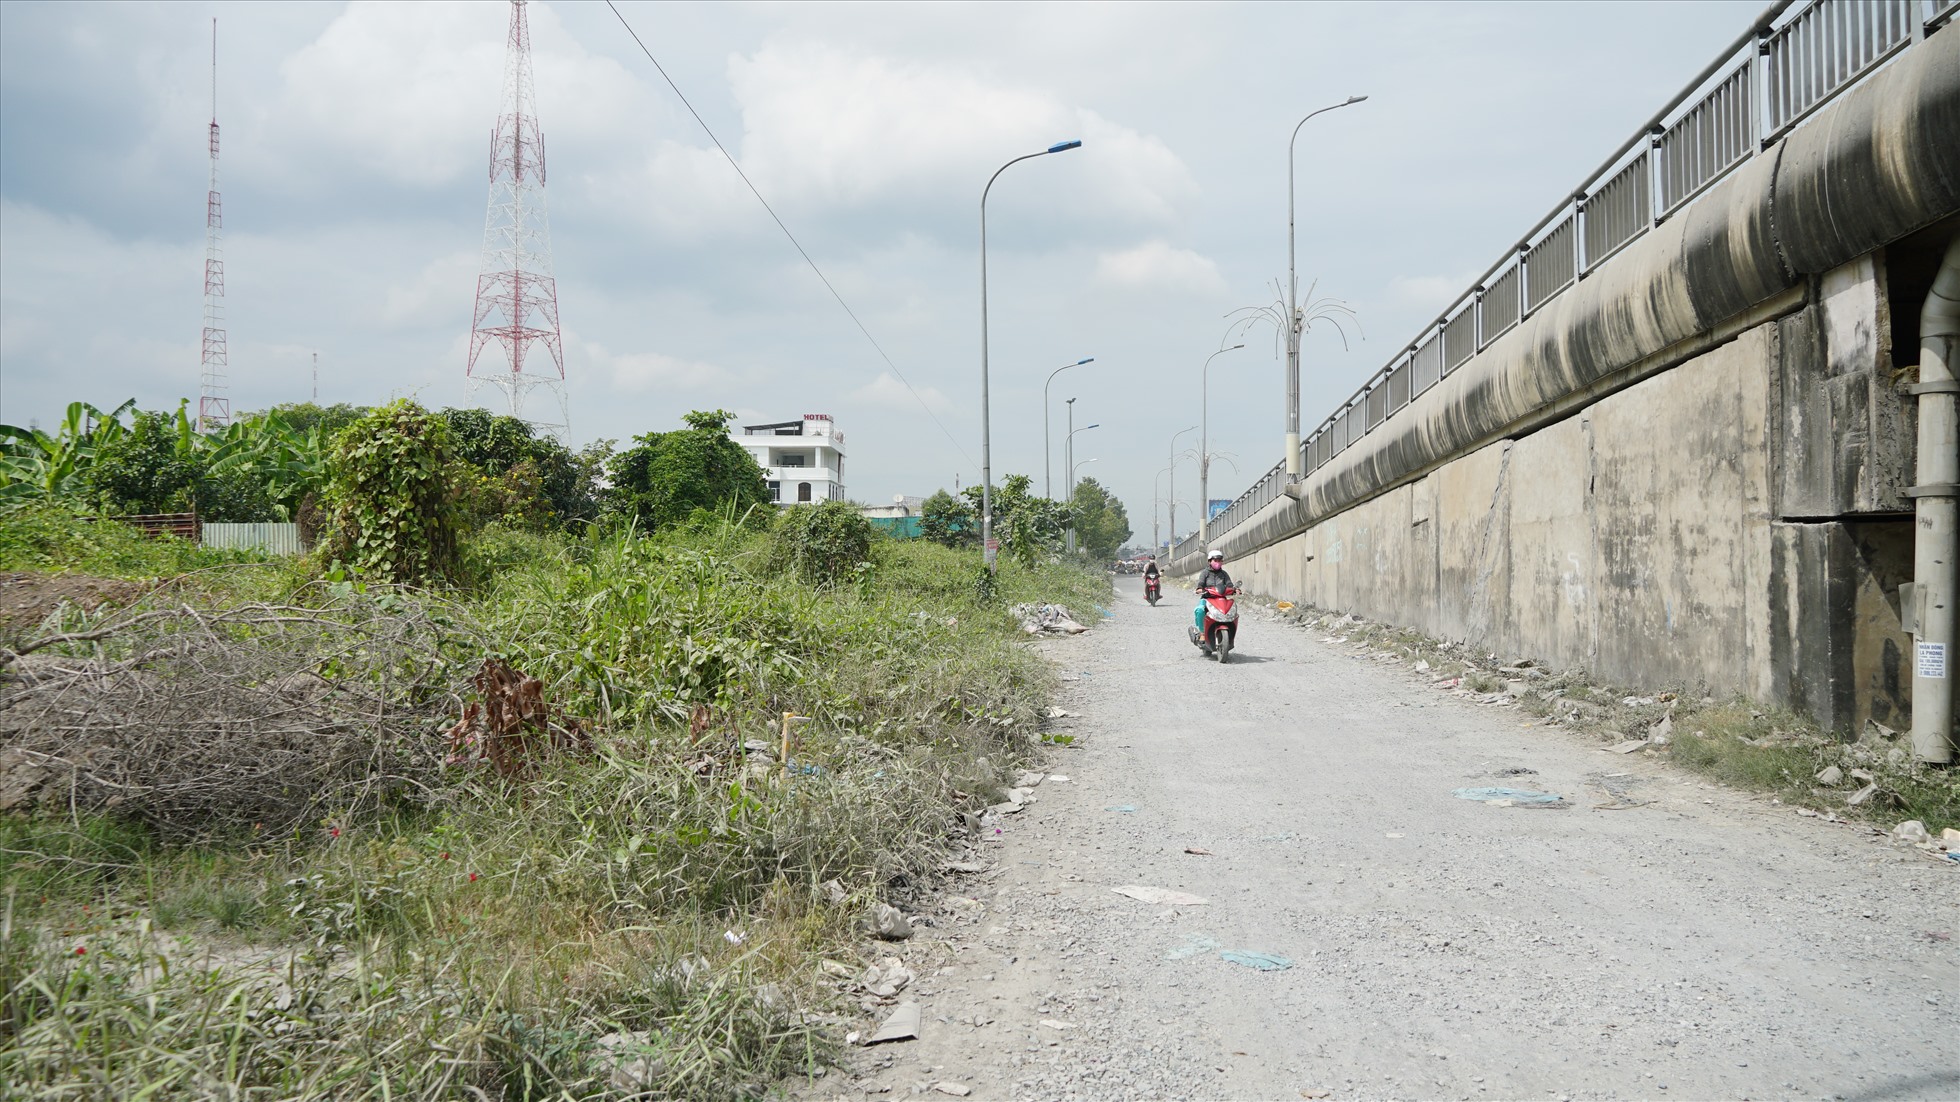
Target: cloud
{"type": "Point", "coordinates": [409, 92]}
{"type": "Point", "coordinates": [638, 372]}
{"type": "Point", "coordinates": [1428, 293]}
{"type": "Point", "coordinates": [1158, 266]}
{"type": "Point", "coordinates": [826, 128]}
{"type": "Point", "coordinates": [888, 392]}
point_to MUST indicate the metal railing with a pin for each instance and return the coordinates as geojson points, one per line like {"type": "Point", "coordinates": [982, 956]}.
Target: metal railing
{"type": "Point", "coordinates": [1793, 59]}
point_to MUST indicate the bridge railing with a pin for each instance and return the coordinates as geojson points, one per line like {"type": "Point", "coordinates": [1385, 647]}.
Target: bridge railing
{"type": "Point", "coordinates": [1792, 61]}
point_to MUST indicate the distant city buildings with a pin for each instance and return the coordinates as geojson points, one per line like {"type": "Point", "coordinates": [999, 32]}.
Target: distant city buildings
{"type": "Point", "coordinates": [803, 460]}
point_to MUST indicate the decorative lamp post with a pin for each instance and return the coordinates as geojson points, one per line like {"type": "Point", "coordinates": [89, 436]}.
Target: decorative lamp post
{"type": "Point", "coordinates": [1294, 315]}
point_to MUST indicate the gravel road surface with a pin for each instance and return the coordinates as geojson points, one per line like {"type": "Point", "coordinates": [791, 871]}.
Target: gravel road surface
{"type": "Point", "coordinates": [1658, 938]}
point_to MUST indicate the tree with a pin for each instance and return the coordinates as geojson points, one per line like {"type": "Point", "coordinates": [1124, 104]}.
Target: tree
{"type": "Point", "coordinates": [515, 476]}
{"type": "Point", "coordinates": [305, 416]}
{"type": "Point", "coordinates": [1101, 522]}
{"type": "Point", "coordinates": [162, 465]}
{"type": "Point", "coordinates": [945, 519]}
{"type": "Point", "coordinates": [1027, 526]}
{"type": "Point", "coordinates": [668, 475]}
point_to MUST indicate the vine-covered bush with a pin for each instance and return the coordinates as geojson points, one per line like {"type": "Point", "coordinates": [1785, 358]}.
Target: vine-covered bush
{"type": "Point", "coordinates": [824, 544]}
{"type": "Point", "coordinates": [391, 493]}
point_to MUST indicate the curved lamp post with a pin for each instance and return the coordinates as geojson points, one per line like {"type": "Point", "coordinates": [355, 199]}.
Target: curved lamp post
{"type": "Point", "coordinates": [1294, 319]}
{"type": "Point", "coordinates": [1173, 483]}
{"type": "Point", "coordinates": [1204, 443]}
{"type": "Point", "coordinates": [1068, 460]}
{"type": "Point", "coordinates": [1048, 486]}
{"type": "Point", "coordinates": [987, 545]}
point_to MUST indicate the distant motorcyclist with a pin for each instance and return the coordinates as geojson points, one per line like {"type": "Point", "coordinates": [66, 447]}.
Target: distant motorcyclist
{"type": "Point", "coordinates": [1212, 576]}
{"type": "Point", "coordinates": [1150, 568]}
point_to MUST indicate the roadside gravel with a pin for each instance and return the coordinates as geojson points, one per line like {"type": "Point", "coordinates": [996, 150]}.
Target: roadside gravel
{"type": "Point", "coordinates": [1658, 938]}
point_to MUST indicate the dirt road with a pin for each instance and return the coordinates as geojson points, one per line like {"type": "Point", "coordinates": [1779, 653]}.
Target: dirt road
{"type": "Point", "coordinates": [1693, 943]}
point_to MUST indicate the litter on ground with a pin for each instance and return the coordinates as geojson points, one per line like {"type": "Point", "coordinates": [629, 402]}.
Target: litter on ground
{"type": "Point", "coordinates": [1160, 896]}
{"type": "Point", "coordinates": [1265, 962]}
{"type": "Point", "coordinates": [1510, 797]}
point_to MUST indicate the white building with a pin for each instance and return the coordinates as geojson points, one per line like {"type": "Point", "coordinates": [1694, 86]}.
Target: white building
{"type": "Point", "coordinates": [803, 460]}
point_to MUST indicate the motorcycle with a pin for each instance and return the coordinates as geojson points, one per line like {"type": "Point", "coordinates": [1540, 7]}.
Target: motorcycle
{"type": "Point", "coordinates": [1153, 589]}
{"type": "Point", "coordinates": [1221, 631]}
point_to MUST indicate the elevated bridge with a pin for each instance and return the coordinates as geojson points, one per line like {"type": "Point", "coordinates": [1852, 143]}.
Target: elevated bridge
{"type": "Point", "coordinates": [1684, 431]}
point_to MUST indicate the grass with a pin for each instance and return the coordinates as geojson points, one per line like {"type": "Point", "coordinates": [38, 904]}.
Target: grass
{"type": "Point", "coordinates": [481, 940]}
{"type": "Point", "coordinates": [1733, 741]}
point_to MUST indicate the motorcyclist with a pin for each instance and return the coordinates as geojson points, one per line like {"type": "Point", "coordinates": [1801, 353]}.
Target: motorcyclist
{"type": "Point", "coordinates": [1150, 579]}
{"type": "Point", "coordinates": [1212, 576]}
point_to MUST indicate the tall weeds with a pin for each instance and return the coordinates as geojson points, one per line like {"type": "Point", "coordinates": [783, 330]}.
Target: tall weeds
{"type": "Point", "coordinates": [663, 892]}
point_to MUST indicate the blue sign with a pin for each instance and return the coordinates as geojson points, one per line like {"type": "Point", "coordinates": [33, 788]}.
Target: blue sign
{"type": "Point", "coordinates": [1217, 506]}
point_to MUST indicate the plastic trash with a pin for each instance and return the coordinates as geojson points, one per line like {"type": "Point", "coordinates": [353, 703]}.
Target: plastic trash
{"type": "Point", "coordinates": [1160, 896]}
{"type": "Point", "coordinates": [1510, 796]}
{"type": "Point", "coordinates": [1127, 809]}
{"type": "Point", "coordinates": [1265, 962]}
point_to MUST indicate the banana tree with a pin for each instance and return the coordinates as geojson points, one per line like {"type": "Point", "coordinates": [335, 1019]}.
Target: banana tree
{"type": "Point", "coordinates": [35, 464]}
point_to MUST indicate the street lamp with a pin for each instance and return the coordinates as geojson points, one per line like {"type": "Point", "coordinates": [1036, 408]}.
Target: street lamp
{"type": "Point", "coordinates": [1068, 460]}
{"type": "Point", "coordinates": [1173, 483]}
{"type": "Point", "coordinates": [1047, 486]}
{"type": "Point", "coordinates": [1293, 313]}
{"type": "Point", "coordinates": [987, 545]}
{"type": "Point", "coordinates": [1204, 443]}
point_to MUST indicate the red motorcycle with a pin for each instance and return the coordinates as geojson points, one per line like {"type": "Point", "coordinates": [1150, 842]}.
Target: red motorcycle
{"type": "Point", "coordinates": [1153, 589]}
{"type": "Point", "coordinates": [1221, 632]}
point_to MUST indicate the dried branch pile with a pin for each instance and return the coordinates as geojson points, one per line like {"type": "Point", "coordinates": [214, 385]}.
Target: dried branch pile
{"type": "Point", "coordinates": [264, 717]}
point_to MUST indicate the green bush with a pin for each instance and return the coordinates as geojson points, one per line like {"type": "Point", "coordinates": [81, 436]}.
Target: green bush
{"type": "Point", "coordinates": [825, 545]}
{"type": "Point", "coordinates": [393, 500]}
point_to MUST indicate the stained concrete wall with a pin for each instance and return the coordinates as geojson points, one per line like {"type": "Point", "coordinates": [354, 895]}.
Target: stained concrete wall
{"type": "Point", "coordinates": [1653, 537]}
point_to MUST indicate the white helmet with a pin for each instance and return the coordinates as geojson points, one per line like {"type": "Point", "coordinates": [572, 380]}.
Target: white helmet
{"type": "Point", "coordinates": [1215, 553]}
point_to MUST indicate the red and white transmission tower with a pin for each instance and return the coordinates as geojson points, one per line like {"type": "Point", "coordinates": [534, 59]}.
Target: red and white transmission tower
{"type": "Point", "coordinates": [213, 408]}
{"type": "Point", "coordinates": [516, 296]}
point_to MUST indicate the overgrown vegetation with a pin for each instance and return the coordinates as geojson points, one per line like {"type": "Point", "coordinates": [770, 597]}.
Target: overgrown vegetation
{"type": "Point", "coordinates": [1727, 739]}
{"type": "Point", "coordinates": [393, 500]}
{"type": "Point", "coordinates": [656, 888]}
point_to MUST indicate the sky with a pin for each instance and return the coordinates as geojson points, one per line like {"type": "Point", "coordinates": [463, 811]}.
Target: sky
{"type": "Point", "coordinates": [356, 139]}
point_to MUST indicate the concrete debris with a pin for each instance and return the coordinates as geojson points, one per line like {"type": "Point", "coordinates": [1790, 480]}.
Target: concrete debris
{"type": "Point", "coordinates": [1057, 778]}
{"type": "Point", "coordinates": [1862, 775]}
{"type": "Point", "coordinates": [1629, 746]}
{"type": "Point", "coordinates": [957, 1090]}
{"type": "Point", "coordinates": [888, 922]}
{"type": "Point", "coordinates": [886, 978]}
{"type": "Point", "coordinates": [1162, 897]}
{"type": "Point", "coordinates": [630, 1061]}
{"type": "Point", "coordinates": [963, 866]}
{"type": "Point", "coordinates": [1053, 619]}
{"type": "Point", "coordinates": [901, 1025]}
{"type": "Point", "coordinates": [1660, 733]}
{"type": "Point", "coordinates": [1028, 778]}
{"type": "Point", "coordinates": [1422, 665]}
{"type": "Point", "coordinates": [835, 968]}
{"type": "Point", "coordinates": [1830, 776]}
{"type": "Point", "coordinates": [833, 891]}
{"type": "Point", "coordinates": [1912, 832]}
{"type": "Point", "coordinates": [1862, 795]}
{"type": "Point", "coordinates": [1881, 730]}
{"type": "Point", "coordinates": [1950, 840]}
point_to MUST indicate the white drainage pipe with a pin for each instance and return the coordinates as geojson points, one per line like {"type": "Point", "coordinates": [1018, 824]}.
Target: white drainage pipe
{"type": "Point", "coordinates": [1936, 501]}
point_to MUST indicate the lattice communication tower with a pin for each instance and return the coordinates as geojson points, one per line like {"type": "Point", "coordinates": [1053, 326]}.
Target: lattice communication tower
{"type": "Point", "coordinates": [516, 295]}
{"type": "Point", "coordinates": [213, 408]}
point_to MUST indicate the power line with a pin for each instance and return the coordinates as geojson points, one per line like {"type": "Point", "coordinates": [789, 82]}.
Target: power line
{"type": "Point", "coordinates": [896, 373]}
